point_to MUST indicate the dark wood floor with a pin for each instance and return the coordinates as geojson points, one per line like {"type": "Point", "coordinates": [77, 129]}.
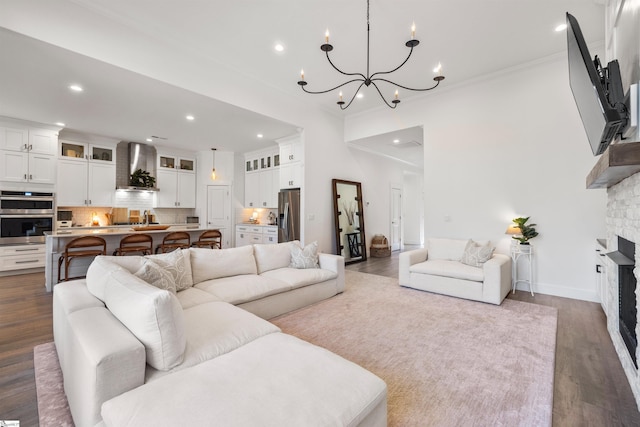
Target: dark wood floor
{"type": "Point", "coordinates": [25, 321]}
{"type": "Point", "coordinates": [590, 387]}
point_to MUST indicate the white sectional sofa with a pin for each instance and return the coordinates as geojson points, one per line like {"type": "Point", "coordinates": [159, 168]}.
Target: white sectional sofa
{"type": "Point", "coordinates": [181, 339]}
{"type": "Point", "coordinates": [457, 267]}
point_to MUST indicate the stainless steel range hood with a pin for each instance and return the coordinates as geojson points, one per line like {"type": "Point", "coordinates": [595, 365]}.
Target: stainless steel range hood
{"type": "Point", "coordinates": [132, 156]}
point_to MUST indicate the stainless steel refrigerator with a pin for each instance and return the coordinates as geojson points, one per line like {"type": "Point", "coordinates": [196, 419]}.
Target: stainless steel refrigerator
{"type": "Point", "coordinates": [289, 215]}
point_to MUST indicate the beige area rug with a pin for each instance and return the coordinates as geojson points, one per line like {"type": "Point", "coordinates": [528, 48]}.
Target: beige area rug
{"type": "Point", "coordinates": [53, 409]}
{"type": "Point", "coordinates": [446, 361]}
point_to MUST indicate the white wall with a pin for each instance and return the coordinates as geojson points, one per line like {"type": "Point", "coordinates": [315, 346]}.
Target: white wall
{"type": "Point", "coordinates": [503, 147]}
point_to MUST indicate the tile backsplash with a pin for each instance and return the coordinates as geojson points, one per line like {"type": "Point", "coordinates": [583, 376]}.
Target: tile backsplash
{"type": "Point", "coordinates": [141, 201]}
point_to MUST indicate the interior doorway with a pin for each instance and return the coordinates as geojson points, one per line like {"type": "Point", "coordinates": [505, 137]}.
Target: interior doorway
{"type": "Point", "coordinates": [395, 204]}
{"type": "Point", "coordinates": [219, 211]}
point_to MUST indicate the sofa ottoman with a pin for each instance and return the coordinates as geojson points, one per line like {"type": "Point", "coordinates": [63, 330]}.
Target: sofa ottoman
{"type": "Point", "coordinates": [276, 380]}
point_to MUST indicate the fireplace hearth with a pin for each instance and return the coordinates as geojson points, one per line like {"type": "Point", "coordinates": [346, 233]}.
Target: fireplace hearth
{"type": "Point", "coordinates": [624, 258]}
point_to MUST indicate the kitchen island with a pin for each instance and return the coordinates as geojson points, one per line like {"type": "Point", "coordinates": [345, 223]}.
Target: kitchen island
{"type": "Point", "coordinates": [57, 240]}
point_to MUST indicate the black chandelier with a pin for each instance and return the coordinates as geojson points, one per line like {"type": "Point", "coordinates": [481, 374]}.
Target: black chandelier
{"type": "Point", "coordinates": [371, 79]}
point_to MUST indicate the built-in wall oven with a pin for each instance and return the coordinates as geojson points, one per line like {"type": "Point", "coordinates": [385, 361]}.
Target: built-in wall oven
{"type": "Point", "coordinates": [25, 216]}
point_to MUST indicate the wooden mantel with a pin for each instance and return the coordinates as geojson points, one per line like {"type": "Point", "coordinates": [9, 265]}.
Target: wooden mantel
{"type": "Point", "coordinates": [618, 162]}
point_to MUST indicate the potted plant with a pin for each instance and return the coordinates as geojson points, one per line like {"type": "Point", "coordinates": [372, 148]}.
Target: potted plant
{"type": "Point", "coordinates": [527, 232]}
{"type": "Point", "coordinates": [141, 178]}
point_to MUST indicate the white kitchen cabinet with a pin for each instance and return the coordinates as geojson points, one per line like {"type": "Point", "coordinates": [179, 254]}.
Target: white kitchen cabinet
{"type": "Point", "coordinates": [90, 152]}
{"type": "Point", "coordinates": [28, 155]}
{"type": "Point", "coordinates": [20, 257]}
{"type": "Point", "coordinates": [86, 174]}
{"type": "Point", "coordinates": [290, 151]}
{"type": "Point", "coordinates": [85, 184]}
{"type": "Point", "coordinates": [14, 139]}
{"type": "Point", "coordinates": [261, 182]}
{"type": "Point", "coordinates": [291, 162]}
{"type": "Point", "coordinates": [32, 140]}
{"type": "Point", "coordinates": [178, 163]}
{"type": "Point", "coordinates": [291, 175]}
{"type": "Point", "coordinates": [27, 167]}
{"type": "Point", "coordinates": [177, 189]}
{"type": "Point", "coordinates": [248, 235]}
{"type": "Point", "coordinates": [43, 141]}
{"type": "Point", "coordinates": [269, 187]}
{"type": "Point", "coordinates": [270, 234]}
{"type": "Point", "coordinates": [252, 190]}
{"type": "Point", "coordinates": [256, 234]}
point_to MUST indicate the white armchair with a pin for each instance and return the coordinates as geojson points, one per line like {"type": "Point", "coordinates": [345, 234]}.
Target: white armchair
{"type": "Point", "coordinates": [439, 268]}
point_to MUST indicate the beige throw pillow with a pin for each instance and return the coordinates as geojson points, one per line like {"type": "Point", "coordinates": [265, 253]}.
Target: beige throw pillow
{"type": "Point", "coordinates": [306, 257]}
{"type": "Point", "coordinates": [156, 276]}
{"type": "Point", "coordinates": [476, 255]}
{"type": "Point", "coordinates": [178, 264]}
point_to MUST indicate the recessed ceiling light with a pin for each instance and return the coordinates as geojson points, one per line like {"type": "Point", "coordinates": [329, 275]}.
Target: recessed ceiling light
{"type": "Point", "coordinates": [278, 47]}
{"type": "Point", "coordinates": [149, 140]}
{"type": "Point", "coordinates": [60, 124]}
{"type": "Point", "coordinates": [76, 88]}
{"type": "Point", "coordinates": [359, 95]}
{"type": "Point", "coordinates": [190, 117]}
{"type": "Point", "coordinates": [259, 135]}
{"type": "Point", "coordinates": [396, 141]}
{"type": "Point", "coordinates": [561, 27]}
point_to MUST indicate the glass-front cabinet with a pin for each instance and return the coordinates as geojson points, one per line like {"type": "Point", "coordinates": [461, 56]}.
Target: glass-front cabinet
{"type": "Point", "coordinates": [184, 164]}
{"type": "Point", "coordinates": [83, 151]}
{"type": "Point", "coordinates": [86, 174]}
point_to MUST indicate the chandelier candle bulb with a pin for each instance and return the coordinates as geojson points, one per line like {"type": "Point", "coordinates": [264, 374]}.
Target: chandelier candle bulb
{"type": "Point", "coordinates": [326, 36]}
{"type": "Point", "coordinates": [413, 31]}
{"type": "Point", "coordinates": [301, 74]}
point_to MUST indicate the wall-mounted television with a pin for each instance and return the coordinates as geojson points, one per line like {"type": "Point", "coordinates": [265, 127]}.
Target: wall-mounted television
{"type": "Point", "coordinates": [597, 91]}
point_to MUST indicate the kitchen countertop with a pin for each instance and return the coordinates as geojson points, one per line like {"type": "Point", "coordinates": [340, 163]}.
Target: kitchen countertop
{"type": "Point", "coordinates": [118, 230]}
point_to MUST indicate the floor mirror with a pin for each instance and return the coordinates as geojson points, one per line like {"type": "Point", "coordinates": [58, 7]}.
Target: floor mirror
{"type": "Point", "coordinates": [349, 220]}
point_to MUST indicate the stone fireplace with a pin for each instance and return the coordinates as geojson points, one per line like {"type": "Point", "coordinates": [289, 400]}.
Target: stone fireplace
{"type": "Point", "coordinates": [624, 260]}
{"type": "Point", "coordinates": [620, 296]}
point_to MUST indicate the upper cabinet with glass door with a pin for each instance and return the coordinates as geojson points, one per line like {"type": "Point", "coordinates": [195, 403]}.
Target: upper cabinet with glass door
{"type": "Point", "coordinates": [70, 150]}
{"type": "Point", "coordinates": [178, 163]}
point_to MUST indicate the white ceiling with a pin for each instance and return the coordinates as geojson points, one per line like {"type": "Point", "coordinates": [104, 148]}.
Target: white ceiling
{"type": "Point", "coordinates": [471, 38]}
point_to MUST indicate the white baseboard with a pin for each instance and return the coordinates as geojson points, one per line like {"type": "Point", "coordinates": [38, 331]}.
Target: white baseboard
{"type": "Point", "coordinates": [561, 291]}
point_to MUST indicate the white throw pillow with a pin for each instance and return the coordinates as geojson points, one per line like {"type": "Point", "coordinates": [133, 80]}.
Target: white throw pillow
{"type": "Point", "coordinates": [153, 315]}
{"type": "Point", "coordinates": [451, 249]}
{"type": "Point", "coordinates": [156, 276]}
{"type": "Point", "coordinates": [476, 254]}
{"type": "Point", "coordinates": [178, 264]}
{"type": "Point", "coordinates": [306, 257]}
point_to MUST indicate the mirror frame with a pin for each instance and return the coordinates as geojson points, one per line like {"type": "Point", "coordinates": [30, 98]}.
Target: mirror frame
{"type": "Point", "coordinates": [360, 213]}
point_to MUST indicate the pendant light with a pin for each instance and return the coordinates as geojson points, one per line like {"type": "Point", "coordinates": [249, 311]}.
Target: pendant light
{"type": "Point", "coordinates": [213, 170]}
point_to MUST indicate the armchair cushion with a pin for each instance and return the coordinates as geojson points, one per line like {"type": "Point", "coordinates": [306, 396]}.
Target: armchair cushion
{"type": "Point", "coordinates": [446, 268]}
